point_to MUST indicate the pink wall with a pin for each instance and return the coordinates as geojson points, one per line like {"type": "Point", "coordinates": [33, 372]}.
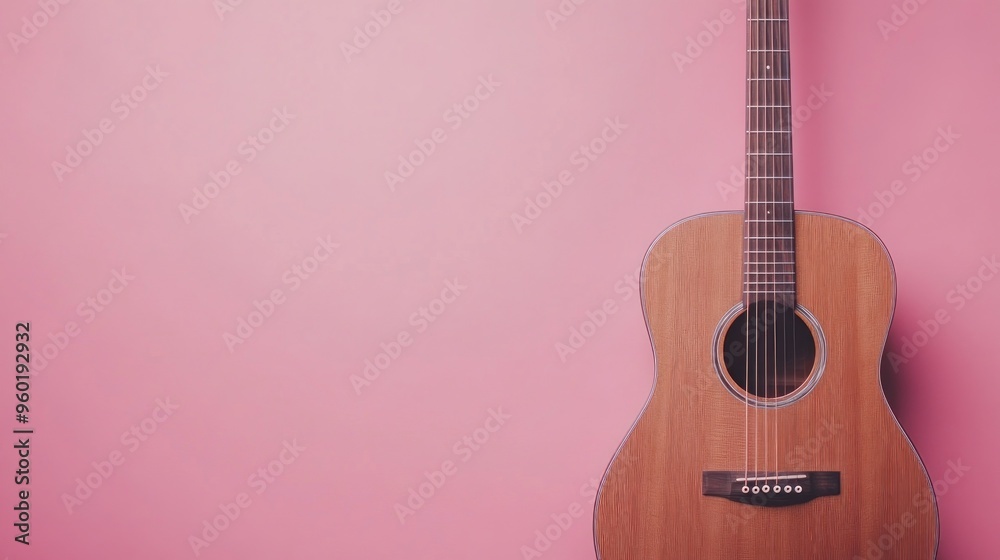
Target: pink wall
{"type": "Point", "coordinates": [306, 227]}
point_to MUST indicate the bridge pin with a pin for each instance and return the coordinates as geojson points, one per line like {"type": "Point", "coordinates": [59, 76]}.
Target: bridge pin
{"type": "Point", "coordinates": [788, 489]}
{"type": "Point", "coordinates": [766, 489]}
{"type": "Point", "coordinates": [777, 489]}
{"type": "Point", "coordinates": [756, 489]}
{"type": "Point", "coordinates": [746, 489]}
{"type": "Point", "coordinates": [798, 489]}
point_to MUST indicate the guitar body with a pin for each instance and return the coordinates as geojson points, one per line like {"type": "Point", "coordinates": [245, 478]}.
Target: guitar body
{"type": "Point", "coordinates": [651, 504]}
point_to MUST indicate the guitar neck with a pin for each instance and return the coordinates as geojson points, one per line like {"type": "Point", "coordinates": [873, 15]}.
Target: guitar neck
{"type": "Point", "coordinates": [769, 244]}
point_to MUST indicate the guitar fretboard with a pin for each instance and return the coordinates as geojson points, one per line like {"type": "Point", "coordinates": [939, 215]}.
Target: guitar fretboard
{"type": "Point", "coordinates": [769, 237]}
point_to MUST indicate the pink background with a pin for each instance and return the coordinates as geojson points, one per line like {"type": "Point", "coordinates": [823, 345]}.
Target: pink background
{"type": "Point", "coordinates": [494, 345]}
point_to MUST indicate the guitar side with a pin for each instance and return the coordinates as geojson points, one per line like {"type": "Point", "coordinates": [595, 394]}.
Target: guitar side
{"type": "Point", "coordinates": [651, 506]}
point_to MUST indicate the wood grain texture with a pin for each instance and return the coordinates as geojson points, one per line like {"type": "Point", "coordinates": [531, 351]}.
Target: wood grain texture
{"type": "Point", "coordinates": [650, 505]}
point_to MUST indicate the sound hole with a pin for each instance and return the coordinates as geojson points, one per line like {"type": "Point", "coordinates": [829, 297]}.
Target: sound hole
{"type": "Point", "coordinates": [768, 350]}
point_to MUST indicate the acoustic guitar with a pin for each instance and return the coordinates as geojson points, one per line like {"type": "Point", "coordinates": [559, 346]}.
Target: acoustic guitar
{"type": "Point", "coordinates": [767, 434]}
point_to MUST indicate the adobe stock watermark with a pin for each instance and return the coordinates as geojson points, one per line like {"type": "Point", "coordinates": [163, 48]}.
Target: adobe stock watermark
{"type": "Point", "coordinates": [455, 116]}
{"type": "Point", "coordinates": [751, 332]}
{"type": "Point", "coordinates": [33, 24]}
{"type": "Point", "coordinates": [562, 12]}
{"type": "Point", "coordinates": [900, 16]}
{"type": "Point", "coordinates": [580, 160]}
{"type": "Point", "coordinates": [463, 449]}
{"type": "Point", "coordinates": [579, 512]}
{"type": "Point", "coordinates": [421, 320]}
{"type": "Point", "coordinates": [291, 280]}
{"type": "Point", "coordinates": [248, 150]}
{"type": "Point", "coordinates": [801, 114]}
{"type": "Point", "coordinates": [88, 310]}
{"type": "Point", "coordinates": [920, 505]}
{"type": "Point", "coordinates": [131, 440]}
{"type": "Point", "coordinates": [625, 289]}
{"type": "Point", "coordinates": [796, 459]}
{"type": "Point", "coordinates": [121, 107]}
{"type": "Point", "coordinates": [801, 453]}
{"type": "Point", "coordinates": [225, 7]}
{"type": "Point", "coordinates": [258, 481]}
{"type": "Point", "coordinates": [596, 318]}
{"type": "Point", "coordinates": [365, 33]}
{"type": "Point", "coordinates": [914, 168]}
{"type": "Point", "coordinates": [957, 298]}
{"type": "Point", "coordinates": [697, 44]}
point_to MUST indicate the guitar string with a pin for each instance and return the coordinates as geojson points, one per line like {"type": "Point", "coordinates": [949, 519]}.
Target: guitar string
{"type": "Point", "coordinates": [760, 90]}
{"type": "Point", "coordinates": [752, 212]}
{"type": "Point", "coordinates": [765, 184]}
{"type": "Point", "coordinates": [761, 185]}
{"type": "Point", "coordinates": [769, 111]}
{"type": "Point", "coordinates": [755, 208]}
{"type": "Point", "coordinates": [779, 102]}
{"type": "Point", "coordinates": [769, 303]}
{"type": "Point", "coordinates": [746, 275]}
{"type": "Point", "coordinates": [755, 186]}
{"type": "Point", "coordinates": [762, 305]}
{"type": "Point", "coordinates": [772, 242]}
{"type": "Point", "coordinates": [790, 173]}
{"type": "Point", "coordinates": [768, 87]}
{"type": "Point", "coordinates": [782, 100]}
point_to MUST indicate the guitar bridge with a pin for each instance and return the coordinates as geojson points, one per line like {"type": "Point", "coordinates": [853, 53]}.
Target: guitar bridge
{"type": "Point", "coordinates": [770, 489]}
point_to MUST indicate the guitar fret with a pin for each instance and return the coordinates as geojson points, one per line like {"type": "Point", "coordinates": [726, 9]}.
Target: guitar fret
{"type": "Point", "coordinates": [765, 237]}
